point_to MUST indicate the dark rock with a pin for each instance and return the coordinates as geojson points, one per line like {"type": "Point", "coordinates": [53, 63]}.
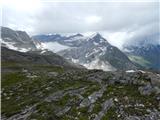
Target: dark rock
{"type": "Point", "coordinates": [146, 90]}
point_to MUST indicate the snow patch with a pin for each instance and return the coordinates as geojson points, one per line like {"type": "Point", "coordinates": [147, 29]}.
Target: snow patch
{"type": "Point", "coordinates": [38, 45]}
{"type": "Point", "coordinates": [54, 46]}
{"type": "Point", "coordinates": [43, 51]}
{"type": "Point", "coordinates": [130, 71]}
{"type": "Point", "coordinates": [127, 50]}
{"type": "Point", "coordinates": [94, 51]}
{"type": "Point", "coordinates": [75, 60]}
{"type": "Point", "coordinates": [98, 64]}
{"type": "Point", "coordinates": [10, 45]}
{"type": "Point", "coordinates": [103, 48]}
{"type": "Point", "coordinates": [95, 43]}
{"type": "Point", "coordinates": [141, 71]}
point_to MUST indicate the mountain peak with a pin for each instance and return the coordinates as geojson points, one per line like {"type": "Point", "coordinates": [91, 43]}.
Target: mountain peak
{"type": "Point", "coordinates": [96, 35]}
{"type": "Point", "coordinates": [76, 35]}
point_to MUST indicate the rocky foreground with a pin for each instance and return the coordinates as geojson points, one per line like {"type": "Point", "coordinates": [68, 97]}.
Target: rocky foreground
{"type": "Point", "coordinates": [52, 93]}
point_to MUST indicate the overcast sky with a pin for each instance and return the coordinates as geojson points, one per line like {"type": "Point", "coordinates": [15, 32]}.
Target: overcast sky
{"type": "Point", "coordinates": [116, 21]}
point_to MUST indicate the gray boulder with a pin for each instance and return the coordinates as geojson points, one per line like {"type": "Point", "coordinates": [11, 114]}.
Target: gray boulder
{"type": "Point", "coordinates": [145, 90]}
{"type": "Point", "coordinates": [105, 107]}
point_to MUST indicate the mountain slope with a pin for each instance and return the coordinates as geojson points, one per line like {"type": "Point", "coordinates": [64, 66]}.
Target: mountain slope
{"type": "Point", "coordinates": [16, 40]}
{"type": "Point", "coordinates": [97, 53]}
{"type": "Point", "coordinates": [75, 40]}
{"type": "Point", "coordinates": [35, 58]}
{"type": "Point", "coordinates": [144, 53]}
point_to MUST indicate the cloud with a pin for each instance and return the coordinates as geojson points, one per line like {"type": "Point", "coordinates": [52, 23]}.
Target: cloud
{"type": "Point", "coordinates": [92, 19]}
{"type": "Point", "coordinates": [121, 20]}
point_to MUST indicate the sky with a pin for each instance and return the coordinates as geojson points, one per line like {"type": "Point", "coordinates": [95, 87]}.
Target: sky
{"type": "Point", "coordinates": [119, 21]}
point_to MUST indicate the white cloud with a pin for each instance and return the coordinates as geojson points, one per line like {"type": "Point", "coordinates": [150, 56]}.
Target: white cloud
{"type": "Point", "coordinates": [117, 38]}
{"type": "Point", "coordinates": [22, 5]}
{"type": "Point", "coordinates": [92, 19]}
{"type": "Point", "coordinates": [119, 20]}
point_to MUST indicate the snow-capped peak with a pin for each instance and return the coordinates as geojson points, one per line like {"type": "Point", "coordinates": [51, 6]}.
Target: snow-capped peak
{"type": "Point", "coordinates": [95, 35]}
{"type": "Point", "coordinates": [97, 38]}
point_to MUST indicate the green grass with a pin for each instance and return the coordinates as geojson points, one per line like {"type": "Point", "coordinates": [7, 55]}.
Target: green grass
{"type": "Point", "coordinates": [133, 95]}
{"type": "Point", "coordinates": [97, 107]}
{"type": "Point", "coordinates": [23, 91]}
{"type": "Point", "coordinates": [9, 64]}
{"type": "Point", "coordinates": [48, 68]}
{"type": "Point", "coordinates": [139, 60]}
{"type": "Point", "coordinates": [31, 67]}
{"type": "Point", "coordinates": [111, 114]}
{"type": "Point", "coordinates": [12, 78]}
{"type": "Point", "coordinates": [20, 91]}
{"type": "Point", "coordinates": [63, 101]}
{"type": "Point", "coordinates": [92, 88]}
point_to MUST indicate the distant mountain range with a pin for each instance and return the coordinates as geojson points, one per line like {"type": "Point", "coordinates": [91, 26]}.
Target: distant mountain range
{"type": "Point", "coordinates": [145, 53]}
{"type": "Point", "coordinates": [93, 52]}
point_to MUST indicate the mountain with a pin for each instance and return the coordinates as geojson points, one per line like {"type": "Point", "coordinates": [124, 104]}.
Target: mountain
{"type": "Point", "coordinates": [48, 38]}
{"type": "Point", "coordinates": [93, 52]}
{"type": "Point", "coordinates": [97, 53]}
{"type": "Point", "coordinates": [16, 40]}
{"type": "Point", "coordinates": [145, 53]}
{"type": "Point", "coordinates": [39, 58]}
{"type": "Point", "coordinates": [75, 40]}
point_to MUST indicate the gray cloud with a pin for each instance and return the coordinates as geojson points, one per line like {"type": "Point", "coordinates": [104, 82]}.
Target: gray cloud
{"type": "Point", "coordinates": [137, 18]}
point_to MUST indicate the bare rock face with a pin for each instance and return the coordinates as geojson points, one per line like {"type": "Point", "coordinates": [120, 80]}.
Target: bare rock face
{"type": "Point", "coordinates": [17, 40]}
{"type": "Point", "coordinates": [97, 53]}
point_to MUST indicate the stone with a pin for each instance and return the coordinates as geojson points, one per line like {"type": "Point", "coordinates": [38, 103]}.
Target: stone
{"type": "Point", "coordinates": [24, 114]}
{"type": "Point", "coordinates": [145, 90]}
{"type": "Point", "coordinates": [52, 74]}
{"type": "Point", "coordinates": [24, 70]}
{"type": "Point", "coordinates": [32, 76]}
{"type": "Point", "coordinates": [115, 99]}
{"type": "Point", "coordinates": [105, 107]}
{"type": "Point", "coordinates": [55, 96]}
{"type": "Point", "coordinates": [93, 97]}
{"type": "Point", "coordinates": [91, 108]}
{"type": "Point", "coordinates": [156, 90]}
{"type": "Point", "coordinates": [132, 118]}
{"type": "Point", "coordinates": [63, 111]}
{"type": "Point", "coordinates": [86, 102]}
